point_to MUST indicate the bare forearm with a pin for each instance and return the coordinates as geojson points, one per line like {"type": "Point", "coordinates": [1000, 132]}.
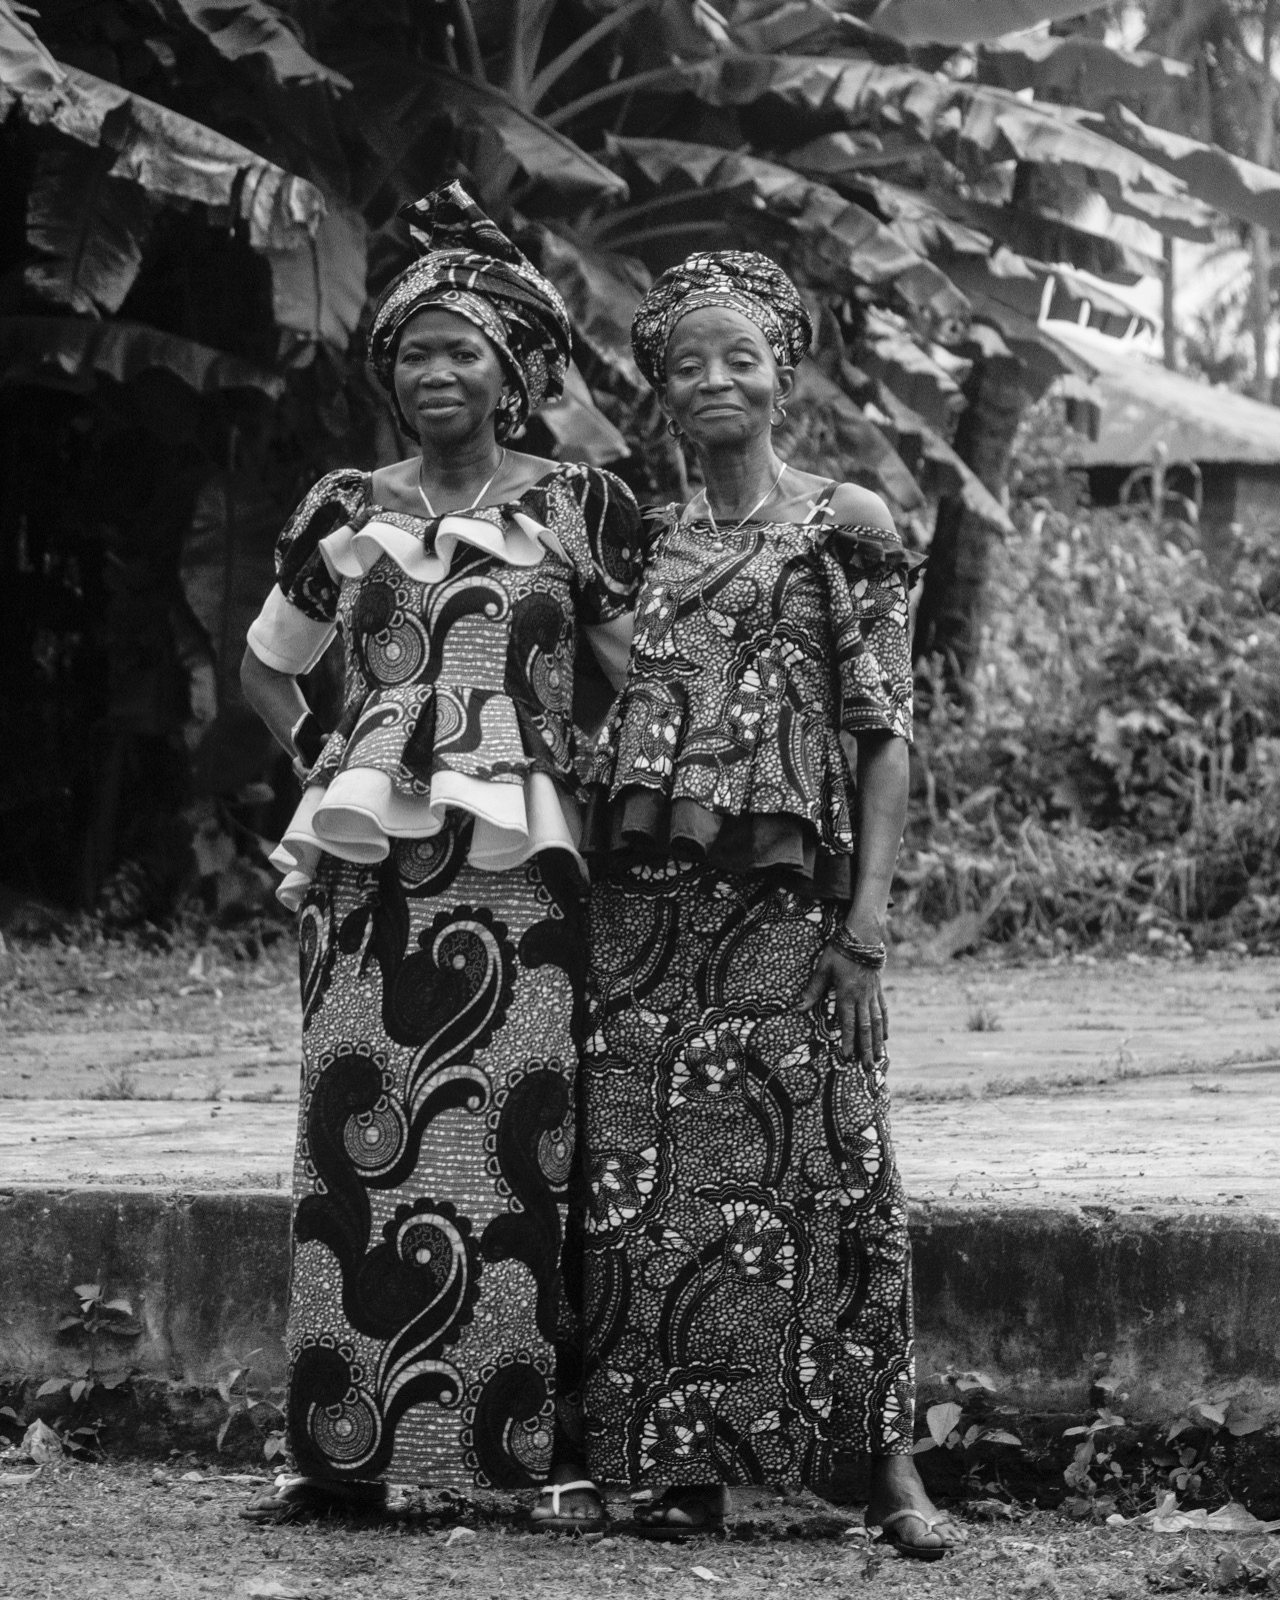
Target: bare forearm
{"type": "Point", "coordinates": [883, 778]}
{"type": "Point", "coordinates": [275, 696]}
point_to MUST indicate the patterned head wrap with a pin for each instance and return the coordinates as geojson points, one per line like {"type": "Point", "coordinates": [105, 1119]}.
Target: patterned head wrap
{"type": "Point", "coordinates": [470, 267]}
{"type": "Point", "coordinates": [742, 280]}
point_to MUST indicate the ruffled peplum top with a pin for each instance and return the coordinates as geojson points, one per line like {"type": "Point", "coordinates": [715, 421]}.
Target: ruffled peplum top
{"type": "Point", "coordinates": [759, 654]}
{"type": "Point", "coordinates": [462, 638]}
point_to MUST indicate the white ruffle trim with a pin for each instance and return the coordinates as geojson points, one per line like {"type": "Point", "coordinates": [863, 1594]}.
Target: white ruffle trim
{"type": "Point", "coordinates": [287, 639]}
{"type": "Point", "coordinates": [361, 812]}
{"type": "Point", "coordinates": [351, 552]}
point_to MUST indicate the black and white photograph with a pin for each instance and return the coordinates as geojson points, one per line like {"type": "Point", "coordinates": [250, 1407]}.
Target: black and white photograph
{"type": "Point", "coordinates": [640, 800]}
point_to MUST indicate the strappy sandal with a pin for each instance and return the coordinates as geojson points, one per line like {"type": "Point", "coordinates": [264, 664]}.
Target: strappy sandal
{"type": "Point", "coordinates": [558, 1522]}
{"type": "Point", "coordinates": [916, 1552]}
{"type": "Point", "coordinates": [653, 1521]}
{"type": "Point", "coordinates": [298, 1499]}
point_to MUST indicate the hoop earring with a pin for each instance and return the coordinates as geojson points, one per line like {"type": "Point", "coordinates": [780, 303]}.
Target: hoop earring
{"type": "Point", "coordinates": [672, 429]}
{"type": "Point", "coordinates": [781, 418]}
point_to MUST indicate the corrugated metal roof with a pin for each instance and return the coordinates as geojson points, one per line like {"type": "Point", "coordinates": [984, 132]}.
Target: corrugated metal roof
{"type": "Point", "coordinates": [1143, 404]}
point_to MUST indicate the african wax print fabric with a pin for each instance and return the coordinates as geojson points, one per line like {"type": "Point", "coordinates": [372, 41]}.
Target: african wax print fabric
{"type": "Point", "coordinates": [472, 269]}
{"type": "Point", "coordinates": [747, 1297]}
{"type": "Point", "coordinates": [462, 637]}
{"type": "Point", "coordinates": [743, 281]}
{"type": "Point", "coordinates": [431, 1331]}
{"type": "Point", "coordinates": [755, 650]}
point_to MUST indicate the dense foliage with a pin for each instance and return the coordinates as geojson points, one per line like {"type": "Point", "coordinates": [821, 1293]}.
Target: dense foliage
{"type": "Point", "coordinates": [1116, 771]}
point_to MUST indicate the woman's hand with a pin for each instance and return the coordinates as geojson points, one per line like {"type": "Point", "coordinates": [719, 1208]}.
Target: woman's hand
{"type": "Point", "coordinates": [860, 1007]}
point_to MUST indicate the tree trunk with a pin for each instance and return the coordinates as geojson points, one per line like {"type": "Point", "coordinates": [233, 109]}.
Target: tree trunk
{"type": "Point", "coordinates": [1264, 141]}
{"type": "Point", "coordinates": [1168, 285]}
{"type": "Point", "coordinates": [952, 604]}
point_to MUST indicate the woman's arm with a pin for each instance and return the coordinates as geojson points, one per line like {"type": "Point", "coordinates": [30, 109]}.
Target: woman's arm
{"type": "Point", "coordinates": [277, 699]}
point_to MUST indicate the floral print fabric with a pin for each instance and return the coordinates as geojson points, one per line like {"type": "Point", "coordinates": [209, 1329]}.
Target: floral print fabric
{"type": "Point", "coordinates": [747, 1274]}
{"type": "Point", "coordinates": [755, 649]}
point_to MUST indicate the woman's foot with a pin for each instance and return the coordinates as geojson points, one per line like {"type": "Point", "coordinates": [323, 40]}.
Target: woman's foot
{"type": "Point", "coordinates": [679, 1512]}
{"type": "Point", "coordinates": [294, 1499]}
{"type": "Point", "coordinates": [568, 1503]}
{"type": "Point", "coordinates": [901, 1508]}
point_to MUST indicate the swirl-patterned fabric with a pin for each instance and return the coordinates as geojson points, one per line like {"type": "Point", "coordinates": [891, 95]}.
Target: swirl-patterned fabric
{"type": "Point", "coordinates": [755, 650]}
{"type": "Point", "coordinates": [747, 1281]}
{"type": "Point", "coordinates": [459, 688]}
{"type": "Point", "coordinates": [430, 1335]}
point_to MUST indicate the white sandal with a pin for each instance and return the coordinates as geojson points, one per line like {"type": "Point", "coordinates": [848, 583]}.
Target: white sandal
{"type": "Point", "coordinates": [557, 1522]}
{"type": "Point", "coordinates": [917, 1552]}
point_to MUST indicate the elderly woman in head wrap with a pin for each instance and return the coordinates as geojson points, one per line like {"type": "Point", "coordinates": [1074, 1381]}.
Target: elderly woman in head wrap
{"type": "Point", "coordinates": [747, 1278]}
{"type": "Point", "coordinates": [434, 865]}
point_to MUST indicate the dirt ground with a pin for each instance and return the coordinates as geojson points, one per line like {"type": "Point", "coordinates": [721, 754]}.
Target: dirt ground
{"type": "Point", "coordinates": [1141, 1081]}
{"type": "Point", "coordinates": [128, 1532]}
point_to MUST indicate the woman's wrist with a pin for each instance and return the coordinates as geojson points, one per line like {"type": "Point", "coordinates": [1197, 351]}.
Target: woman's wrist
{"type": "Point", "coordinates": [866, 952]}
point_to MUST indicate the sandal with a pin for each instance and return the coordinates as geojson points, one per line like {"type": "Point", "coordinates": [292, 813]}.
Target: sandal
{"type": "Point", "coordinates": [701, 1511]}
{"type": "Point", "coordinates": [917, 1552]}
{"type": "Point", "coordinates": [558, 1521]}
{"type": "Point", "coordinates": [297, 1499]}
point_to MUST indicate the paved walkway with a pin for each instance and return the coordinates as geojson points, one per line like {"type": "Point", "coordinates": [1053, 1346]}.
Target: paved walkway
{"type": "Point", "coordinates": [1147, 1083]}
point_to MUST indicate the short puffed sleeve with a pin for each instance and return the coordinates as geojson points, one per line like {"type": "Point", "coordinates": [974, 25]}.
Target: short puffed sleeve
{"type": "Point", "coordinates": [296, 623]}
{"type": "Point", "coordinates": [869, 574]}
{"type": "Point", "coordinates": [609, 556]}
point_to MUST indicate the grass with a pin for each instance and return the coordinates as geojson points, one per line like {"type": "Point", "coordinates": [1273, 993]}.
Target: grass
{"type": "Point", "coordinates": [103, 1533]}
{"type": "Point", "coordinates": [121, 1085]}
{"type": "Point", "coordinates": [983, 1018]}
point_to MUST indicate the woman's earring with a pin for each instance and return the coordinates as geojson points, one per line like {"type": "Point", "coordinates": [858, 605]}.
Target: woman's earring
{"type": "Point", "coordinates": [672, 429]}
{"type": "Point", "coordinates": [780, 418]}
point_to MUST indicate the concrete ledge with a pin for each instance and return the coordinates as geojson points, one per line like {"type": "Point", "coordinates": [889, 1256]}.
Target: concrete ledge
{"type": "Point", "coordinates": [1175, 1307]}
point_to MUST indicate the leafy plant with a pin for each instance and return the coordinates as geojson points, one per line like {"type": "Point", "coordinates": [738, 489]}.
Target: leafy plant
{"type": "Point", "coordinates": [242, 1396]}
{"type": "Point", "coordinates": [97, 1319]}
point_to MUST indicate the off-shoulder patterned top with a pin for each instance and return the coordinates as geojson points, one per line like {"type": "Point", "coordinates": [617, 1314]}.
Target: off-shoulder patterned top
{"type": "Point", "coordinates": [755, 650]}
{"type": "Point", "coordinates": [461, 637]}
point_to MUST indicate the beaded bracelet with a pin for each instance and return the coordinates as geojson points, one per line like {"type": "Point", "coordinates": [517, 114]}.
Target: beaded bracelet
{"type": "Point", "coordinates": [859, 950]}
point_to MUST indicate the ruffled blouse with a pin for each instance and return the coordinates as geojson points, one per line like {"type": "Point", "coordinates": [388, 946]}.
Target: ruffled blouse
{"type": "Point", "coordinates": [755, 650]}
{"type": "Point", "coordinates": [461, 636]}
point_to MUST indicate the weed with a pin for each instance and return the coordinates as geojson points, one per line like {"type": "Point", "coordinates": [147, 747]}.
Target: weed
{"type": "Point", "coordinates": [97, 1319]}
{"type": "Point", "coordinates": [983, 1018]}
{"type": "Point", "coordinates": [241, 1396]}
{"type": "Point", "coordinates": [121, 1085]}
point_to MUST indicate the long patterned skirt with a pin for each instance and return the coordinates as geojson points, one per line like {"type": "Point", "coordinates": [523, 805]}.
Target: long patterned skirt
{"type": "Point", "coordinates": [747, 1270]}
{"type": "Point", "coordinates": [430, 1329]}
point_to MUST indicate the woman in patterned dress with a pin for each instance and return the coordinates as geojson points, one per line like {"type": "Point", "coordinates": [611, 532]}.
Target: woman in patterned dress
{"type": "Point", "coordinates": [747, 1277]}
{"type": "Point", "coordinates": [434, 865]}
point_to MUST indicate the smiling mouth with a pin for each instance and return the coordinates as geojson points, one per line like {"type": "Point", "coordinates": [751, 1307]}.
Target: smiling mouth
{"type": "Point", "coordinates": [439, 405]}
{"type": "Point", "coordinates": [719, 411]}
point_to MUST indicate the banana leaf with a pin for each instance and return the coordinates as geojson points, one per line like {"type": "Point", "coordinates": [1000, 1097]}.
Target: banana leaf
{"type": "Point", "coordinates": [1084, 72]}
{"type": "Point", "coordinates": [853, 446]}
{"type": "Point", "coordinates": [972, 125]}
{"type": "Point", "coordinates": [935, 465]}
{"type": "Point", "coordinates": [540, 150]}
{"type": "Point", "coordinates": [319, 290]}
{"type": "Point", "coordinates": [602, 290]}
{"type": "Point", "coordinates": [843, 241]}
{"type": "Point", "coordinates": [249, 30]}
{"type": "Point", "coordinates": [966, 21]}
{"type": "Point", "coordinates": [580, 429]}
{"type": "Point", "coordinates": [169, 155]}
{"type": "Point", "coordinates": [72, 352]}
{"type": "Point", "coordinates": [889, 354]}
{"type": "Point", "coordinates": [88, 229]}
{"type": "Point", "coordinates": [1239, 188]}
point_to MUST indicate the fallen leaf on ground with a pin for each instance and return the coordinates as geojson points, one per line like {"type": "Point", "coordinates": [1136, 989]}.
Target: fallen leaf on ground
{"type": "Point", "coordinates": [193, 1477]}
{"type": "Point", "coordinates": [460, 1536]}
{"type": "Point", "coordinates": [1231, 1518]}
{"type": "Point", "coordinates": [42, 1444]}
{"type": "Point", "coordinates": [992, 1508]}
{"type": "Point", "coordinates": [706, 1574]}
{"type": "Point", "coordinates": [273, 1589]}
{"type": "Point", "coordinates": [9, 1479]}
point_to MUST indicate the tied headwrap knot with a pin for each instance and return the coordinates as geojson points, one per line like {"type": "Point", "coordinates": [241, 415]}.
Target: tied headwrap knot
{"type": "Point", "coordinates": [743, 281]}
{"type": "Point", "coordinates": [471, 268]}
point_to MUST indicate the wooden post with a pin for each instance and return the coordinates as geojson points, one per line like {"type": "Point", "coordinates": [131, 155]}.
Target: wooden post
{"type": "Point", "coordinates": [1167, 286]}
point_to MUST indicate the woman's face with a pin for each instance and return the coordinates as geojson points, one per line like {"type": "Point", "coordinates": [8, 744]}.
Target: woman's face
{"type": "Point", "coordinates": [722, 380]}
{"type": "Point", "coordinates": [448, 377]}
